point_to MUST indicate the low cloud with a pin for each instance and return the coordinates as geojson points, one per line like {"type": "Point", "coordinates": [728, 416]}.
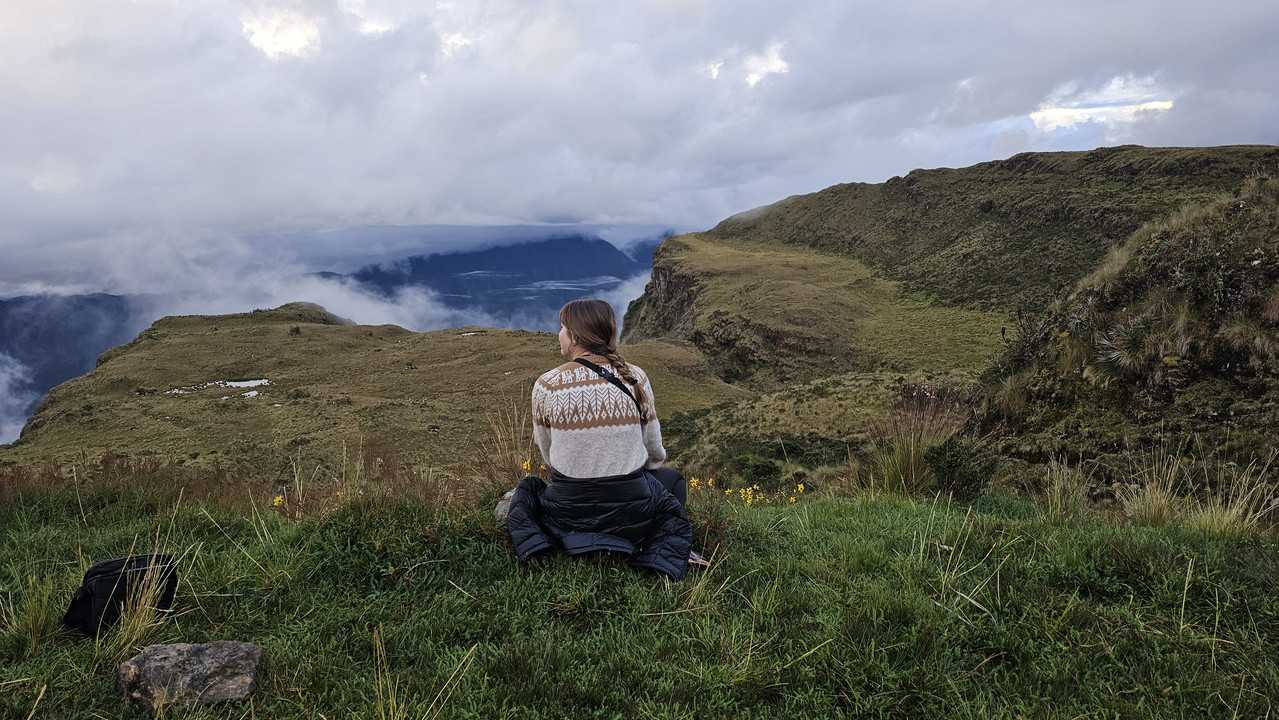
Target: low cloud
{"type": "Point", "coordinates": [15, 397]}
{"type": "Point", "coordinates": [204, 122]}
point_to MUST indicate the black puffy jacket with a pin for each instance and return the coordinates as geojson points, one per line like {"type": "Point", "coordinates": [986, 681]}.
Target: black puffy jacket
{"type": "Point", "coordinates": [632, 514]}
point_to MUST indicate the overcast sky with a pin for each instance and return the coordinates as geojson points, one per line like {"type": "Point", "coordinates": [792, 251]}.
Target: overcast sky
{"type": "Point", "coordinates": [145, 140]}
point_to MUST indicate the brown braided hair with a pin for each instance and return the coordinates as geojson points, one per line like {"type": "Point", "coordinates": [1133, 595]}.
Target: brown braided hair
{"type": "Point", "coordinates": [593, 327]}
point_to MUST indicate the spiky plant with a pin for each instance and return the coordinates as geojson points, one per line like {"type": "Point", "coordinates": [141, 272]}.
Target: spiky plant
{"type": "Point", "coordinates": [1124, 348]}
{"type": "Point", "coordinates": [1152, 496]}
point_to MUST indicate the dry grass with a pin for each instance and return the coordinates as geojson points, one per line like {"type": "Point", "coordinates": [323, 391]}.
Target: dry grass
{"type": "Point", "coordinates": [507, 452]}
{"type": "Point", "coordinates": [1065, 490]}
{"type": "Point", "coordinates": [389, 699]}
{"type": "Point", "coordinates": [141, 617]}
{"type": "Point", "coordinates": [1270, 313]}
{"type": "Point", "coordinates": [1240, 498]}
{"type": "Point", "coordinates": [1152, 494]}
{"type": "Point", "coordinates": [1171, 485]}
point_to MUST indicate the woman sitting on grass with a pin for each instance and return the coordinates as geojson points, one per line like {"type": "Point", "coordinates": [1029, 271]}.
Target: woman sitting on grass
{"type": "Point", "coordinates": [595, 424]}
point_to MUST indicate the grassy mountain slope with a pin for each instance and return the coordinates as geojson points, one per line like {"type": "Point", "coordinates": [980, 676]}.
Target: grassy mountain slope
{"type": "Point", "coordinates": [1176, 332]}
{"type": "Point", "coordinates": [826, 302]}
{"type": "Point", "coordinates": [421, 395]}
{"type": "Point", "coordinates": [1001, 233]}
{"type": "Point", "coordinates": [769, 314]}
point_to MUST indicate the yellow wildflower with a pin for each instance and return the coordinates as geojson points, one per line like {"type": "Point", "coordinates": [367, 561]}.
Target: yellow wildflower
{"type": "Point", "coordinates": [800, 487]}
{"type": "Point", "coordinates": [792, 499]}
{"type": "Point", "coordinates": [278, 501]}
{"type": "Point", "coordinates": [526, 465]}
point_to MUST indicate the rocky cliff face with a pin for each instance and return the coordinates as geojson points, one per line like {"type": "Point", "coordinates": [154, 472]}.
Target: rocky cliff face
{"type": "Point", "coordinates": [666, 307]}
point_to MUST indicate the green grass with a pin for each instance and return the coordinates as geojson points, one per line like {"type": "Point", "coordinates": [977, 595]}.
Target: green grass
{"type": "Point", "coordinates": [769, 314]}
{"type": "Point", "coordinates": [1002, 233]}
{"type": "Point", "coordinates": [875, 606]}
{"type": "Point", "coordinates": [1173, 334]}
{"type": "Point", "coordinates": [425, 397]}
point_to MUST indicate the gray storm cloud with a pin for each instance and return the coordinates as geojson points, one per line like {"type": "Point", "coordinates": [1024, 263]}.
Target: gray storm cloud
{"type": "Point", "coordinates": [150, 138]}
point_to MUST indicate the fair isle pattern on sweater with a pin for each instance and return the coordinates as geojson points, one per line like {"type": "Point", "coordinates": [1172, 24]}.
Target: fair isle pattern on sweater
{"type": "Point", "coordinates": [586, 427]}
{"type": "Point", "coordinates": [576, 398]}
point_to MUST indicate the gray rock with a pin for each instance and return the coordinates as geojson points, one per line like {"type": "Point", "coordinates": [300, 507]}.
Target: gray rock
{"type": "Point", "coordinates": [186, 673]}
{"type": "Point", "coordinates": [503, 507]}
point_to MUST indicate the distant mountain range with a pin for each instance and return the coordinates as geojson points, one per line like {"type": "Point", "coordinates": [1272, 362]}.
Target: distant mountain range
{"type": "Point", "coordinates": [48, 339]}
{"type": "Point", "coordinates": [529, 280]}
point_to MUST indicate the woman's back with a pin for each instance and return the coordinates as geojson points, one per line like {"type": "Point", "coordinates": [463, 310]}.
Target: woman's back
{"type": "Point", "coordinates": [587, 427]}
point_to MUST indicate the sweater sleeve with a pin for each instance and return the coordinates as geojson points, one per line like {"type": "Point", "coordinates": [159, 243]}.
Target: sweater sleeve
{"type": "Point", "coordinates": [541, 433]}
{"type": "Point", "coordinates": [652, 429]}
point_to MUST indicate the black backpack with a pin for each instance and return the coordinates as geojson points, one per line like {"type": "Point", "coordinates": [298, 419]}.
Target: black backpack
{"type": "Point", "coordinates": [108, 584]}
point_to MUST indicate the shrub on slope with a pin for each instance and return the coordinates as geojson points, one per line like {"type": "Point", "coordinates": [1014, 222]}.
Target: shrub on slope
{"type": "Point", "coordinates": [1176, 331]}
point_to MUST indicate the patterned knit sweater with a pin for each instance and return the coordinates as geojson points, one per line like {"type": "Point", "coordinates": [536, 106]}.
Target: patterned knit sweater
{"type": "Point", "coordinates": [586, 427]}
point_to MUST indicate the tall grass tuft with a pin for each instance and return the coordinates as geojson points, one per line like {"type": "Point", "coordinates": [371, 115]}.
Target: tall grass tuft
{"type": "Point", "coordinates": [507, 452]}
{"type": "Point", "coordinates": [1065, 490]}
{"type": "Point", "coordinates": [141, 618]}
{"type": "Point", "coordinates": [922, 417]}
{"type": "Point", "coordinates": [1239, 498]}
{"type": "Point", "coordinates": [1151, 495]}
{"type": "Point", "coordinates": [389, 700]}
{"type": "Point", "coordinates": [28, 621]}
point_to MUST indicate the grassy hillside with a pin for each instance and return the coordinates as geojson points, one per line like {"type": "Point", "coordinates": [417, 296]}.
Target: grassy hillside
{"type": "Point", "coordinates": [389, 607]}
{"type": "Point", "coordinates": [311, 518]}
{"type": "Point", "coordinates": [1004, 233]}
{"type": "Point", "coordinates": [423, 397]}
{"type": "Point", "coordinates": [767, 314]}
{"type": "Point", "coordinates": [827, 302]}
{"type": "Point", "coordinates": [1175, 334]}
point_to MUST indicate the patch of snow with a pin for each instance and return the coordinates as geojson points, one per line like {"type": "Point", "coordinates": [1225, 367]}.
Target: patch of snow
{"type": "Point", "coordinates": [474, 332]}
{"type": "Point", "coordinates": [245, 383]}
{"type": "Point", "coordinates": [249, 394]}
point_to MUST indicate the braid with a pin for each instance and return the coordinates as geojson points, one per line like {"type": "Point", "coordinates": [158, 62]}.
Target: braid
{"type": "Point", "coordinates": [623, 370]}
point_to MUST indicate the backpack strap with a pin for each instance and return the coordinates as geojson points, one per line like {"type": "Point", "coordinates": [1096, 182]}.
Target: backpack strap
{"type": "Point", "coordinates": [612, 377]}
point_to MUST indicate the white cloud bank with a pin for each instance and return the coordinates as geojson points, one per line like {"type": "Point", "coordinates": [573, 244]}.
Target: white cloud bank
{"type": "Point", "coordinates": [128, 129]}
{"type": "Point", "coordinates": [14, 398]}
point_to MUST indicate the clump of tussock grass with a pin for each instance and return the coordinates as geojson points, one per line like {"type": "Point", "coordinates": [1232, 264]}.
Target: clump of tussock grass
{"type": "Point", "coordinates": [1270, 311]}
{"type": "Point", "coordinates": [1166, 486]}
{"type": "Point", "coordinates": [28, 621]}
{"type": "Point", "coordinates": [922, 418]}
{"type": "Point", "coordinates": [506, 452]}
{"type": "Point", "coordinates": [392, 701]}
{"type": "Point", "coordinates": [1240, 499]}
{"type": "Point", "coordinates": [389, 699]}
{"type": "Point", "coordinates": [1151, 495]}
{"type": "Point", "coordinates": [141, 618]}
{"type": "Point", "coordinates": [1065, 490]}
